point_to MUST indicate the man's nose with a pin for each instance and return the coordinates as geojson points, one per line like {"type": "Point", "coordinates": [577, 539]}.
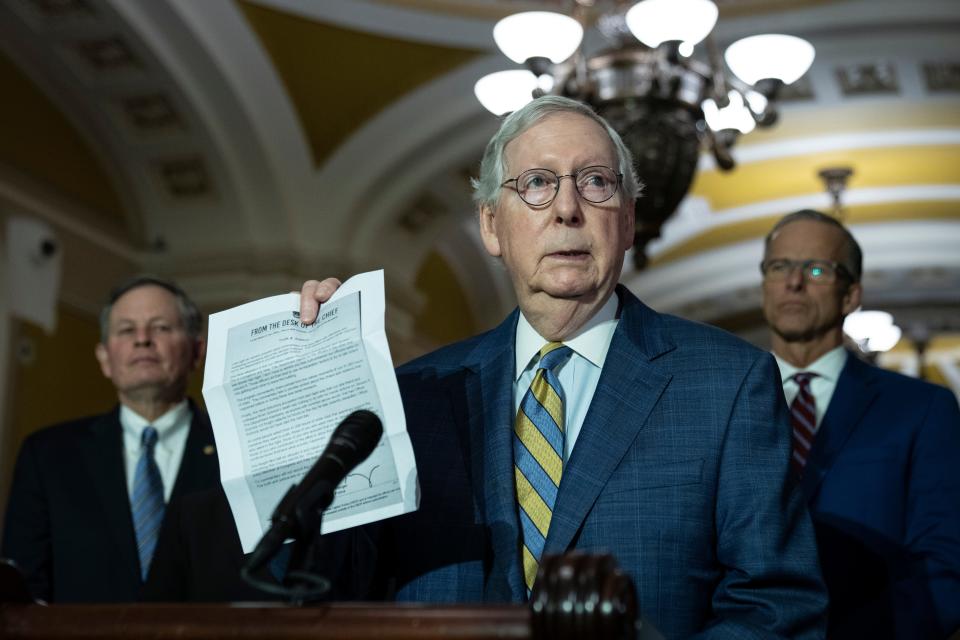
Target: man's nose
{"type": "Point", "coordinates": [566, 206]}
{"type": "Point", "coordinates": [795, 278]}
{"type": "Point", "coordinates": [143, 336]}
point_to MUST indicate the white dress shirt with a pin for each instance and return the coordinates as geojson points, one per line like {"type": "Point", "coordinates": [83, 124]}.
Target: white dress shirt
{"type": "Point", "coordinates": [827, 367]}
{"type": "Point", "coordinates": [172, 430]}
{"type": "Point", "coordinates": [578, 375]}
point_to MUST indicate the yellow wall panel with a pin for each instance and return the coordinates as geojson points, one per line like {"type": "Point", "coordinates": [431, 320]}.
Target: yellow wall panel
{"type": "Point", "coordinates": [797, 175]}
{"type": "Point", "coordinates": [338, 78]}
{"type": "Point", "coordinates": [759, 227]}
{"type": "Point", "coordinates": [40, 142]}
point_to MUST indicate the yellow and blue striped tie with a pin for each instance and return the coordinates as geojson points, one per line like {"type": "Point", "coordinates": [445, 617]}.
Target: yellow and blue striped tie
{"type": "Point", "coordinates": [538, 455]}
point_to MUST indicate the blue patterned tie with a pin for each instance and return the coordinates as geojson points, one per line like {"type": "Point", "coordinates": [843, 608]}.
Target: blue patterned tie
{"type": "Point", "coordinates": [538, 455]}
{"type": "Point", "coordinates": [147, 501]}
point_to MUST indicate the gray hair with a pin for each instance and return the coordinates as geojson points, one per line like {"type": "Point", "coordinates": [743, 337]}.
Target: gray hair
{"type": "Point", "coordinates": [189, 313]}
{"type": "Point", "coordinates": [493, 169]}
{"type": "Point", "coordinates": [854, 258]}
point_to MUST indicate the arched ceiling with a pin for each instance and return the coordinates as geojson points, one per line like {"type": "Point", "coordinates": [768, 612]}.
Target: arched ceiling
{"type": "Point", "coordinates": [240, 146]}
{"type": "Point", "coordinates": [355, 74]}
{"type": "Point", "coordinates": [75, 169]}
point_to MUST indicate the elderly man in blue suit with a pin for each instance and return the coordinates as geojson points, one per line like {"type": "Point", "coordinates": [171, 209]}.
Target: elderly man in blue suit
{"type": "Point", "coordinates": [588, 421]}
{"type": "Point", "coordinates": [878, 452]}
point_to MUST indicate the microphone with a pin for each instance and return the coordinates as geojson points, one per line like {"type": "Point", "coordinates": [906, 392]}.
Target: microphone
{"type": "Point", "coordinates": [299, 511]}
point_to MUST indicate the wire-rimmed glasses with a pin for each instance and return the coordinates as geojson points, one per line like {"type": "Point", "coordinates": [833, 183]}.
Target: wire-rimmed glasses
{"type": "Point", "coordinates": [538, 187]}
{"type": "Point", "coordinates": [819, 271]}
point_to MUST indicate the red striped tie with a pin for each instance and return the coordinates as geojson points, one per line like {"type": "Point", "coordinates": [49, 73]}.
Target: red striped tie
{"type": "Point", "coordinates": [803, 417]}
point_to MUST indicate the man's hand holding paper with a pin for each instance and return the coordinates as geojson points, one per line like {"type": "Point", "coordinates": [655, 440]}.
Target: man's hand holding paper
{"type": "Point", "coordinates": [313, 293]}
{"type": "Point", "coordinates": [278, 381]}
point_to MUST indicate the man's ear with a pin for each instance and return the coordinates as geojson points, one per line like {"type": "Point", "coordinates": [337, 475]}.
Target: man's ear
{"type": "Point", "coordinates": [488, 230]}
{"type": "Point", "coordinates": [199, 352]}
{"type": "Point", "coordinates": [100, 351]}
{"type": "Point", "coordinates": [629, 223]}
{"type": "Point", "coordinates": [851, 299]}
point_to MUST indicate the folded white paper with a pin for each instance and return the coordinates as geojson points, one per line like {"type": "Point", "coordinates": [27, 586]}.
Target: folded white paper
{"type": "Point", "coordinates": [276, 389]}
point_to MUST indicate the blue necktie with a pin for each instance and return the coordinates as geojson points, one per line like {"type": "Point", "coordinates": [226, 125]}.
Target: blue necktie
{"type": "Point", "coordinates": [538, 455]}
{"type": "Point", "coordinates": [147, 502]}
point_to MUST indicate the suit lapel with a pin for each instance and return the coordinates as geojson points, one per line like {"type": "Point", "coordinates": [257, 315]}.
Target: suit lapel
{"type": "Point", "coordinates": [489, 388]}
{"type": "Point", "coordinates": [103, 455]}
{"type": "Point", "coordinates": [198, 467]}
{"type": "Point", "coordinates": [629, 387]}
{"type": "Point", "coordinates": [849, 402]}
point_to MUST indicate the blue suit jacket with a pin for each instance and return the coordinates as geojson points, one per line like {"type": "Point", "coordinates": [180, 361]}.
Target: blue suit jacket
{"type": "Point", "coordinates": [679, 471]}
{"type": "Point", "coordinates": [883, 485]}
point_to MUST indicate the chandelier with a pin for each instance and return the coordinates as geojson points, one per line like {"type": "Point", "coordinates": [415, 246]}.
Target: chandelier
{"type": "Point", "coordinates": [666, 99]}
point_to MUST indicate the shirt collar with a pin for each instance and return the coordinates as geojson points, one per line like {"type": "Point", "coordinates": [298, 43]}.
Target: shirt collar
{"type": "Point", "coordinates": [174, 419]}
{"type": "Point", "coordinates": [828, 366]}
{"type": "Point", "coordinates": [591, 341]}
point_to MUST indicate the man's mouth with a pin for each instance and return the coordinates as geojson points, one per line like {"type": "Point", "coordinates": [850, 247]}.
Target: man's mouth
{"type": "Point", "coordinates": [569, 254]}
{"type": "Point", "coordinates": [792, 306]}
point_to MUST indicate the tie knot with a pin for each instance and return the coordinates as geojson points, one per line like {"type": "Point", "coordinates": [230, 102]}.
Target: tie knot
{"type": "Point", "coordinates": [553, 354]}
{"type": "Point", "coordinates": [149, 437]}
{"type": "Point", "coordinates": [803, 378]}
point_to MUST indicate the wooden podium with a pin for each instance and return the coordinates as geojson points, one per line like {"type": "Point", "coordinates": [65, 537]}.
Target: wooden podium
{"type": "Point", "coordinates": [577, 596]}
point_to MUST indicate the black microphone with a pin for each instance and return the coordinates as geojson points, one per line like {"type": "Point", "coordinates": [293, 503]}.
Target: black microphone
{"type": "Point", "coordinates": [299, 511]}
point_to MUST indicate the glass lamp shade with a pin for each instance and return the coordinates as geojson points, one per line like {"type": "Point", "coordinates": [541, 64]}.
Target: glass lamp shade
{"type": "Point", "coordinates": [757, 101]}
{"type": "Point", "coordinates": [735, 115]}
{"type": "Point", "coordinates": [776, 56]}
{"type": "Point", "coordinates": [505, 91]}
{"type": "Point", "coordinates": [872, 330]}
{"type": "Point", "coordinates": [885, 339]}
{"type": "Point", "coordinates": [532, 34]}
{"type": "Point", "coordinates": [656, 21]}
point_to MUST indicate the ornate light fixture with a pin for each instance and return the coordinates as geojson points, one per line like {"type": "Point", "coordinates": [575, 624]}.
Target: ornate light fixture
{"type": "Point", "coordinates": [665, 101]}
{"type": "Point", "coordinates": [835, 181]}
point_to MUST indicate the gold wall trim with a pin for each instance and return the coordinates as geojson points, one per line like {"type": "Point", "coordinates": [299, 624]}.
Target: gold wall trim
{"type": "Point", "coordinates": [797, 175]}
{"type": "Point", "coordinates": [758, 227]}
{"type": "Point", "coordinates": [822, 120]}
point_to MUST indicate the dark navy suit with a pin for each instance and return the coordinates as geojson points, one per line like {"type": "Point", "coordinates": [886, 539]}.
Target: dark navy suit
{"type": "Point", "coordinates": [68, 523]}
{"type": "Point", "coordinates": [883, 485]}
{"type": "Point", "coordinates": [679, 471]}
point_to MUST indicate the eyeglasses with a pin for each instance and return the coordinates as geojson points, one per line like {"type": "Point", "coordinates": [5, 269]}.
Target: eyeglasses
{"type": "Point", "coordinates": [538, 187]}
{"type": "Point", "coordinates": [818, 271]}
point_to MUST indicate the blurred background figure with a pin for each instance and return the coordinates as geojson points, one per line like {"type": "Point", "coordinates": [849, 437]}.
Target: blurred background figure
{"type": "Point", "coordinates": [88, 496]}
{"type": "Point", "coordinates": [876, 452]}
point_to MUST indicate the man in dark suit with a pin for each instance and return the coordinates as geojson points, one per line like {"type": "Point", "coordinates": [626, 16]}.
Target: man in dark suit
{"type": "Point", "coordinates": [878, 452]}
{"type": "Point", "coordinates": [659, 440]}
{"type": "Point", "coordinates": [88, 496]}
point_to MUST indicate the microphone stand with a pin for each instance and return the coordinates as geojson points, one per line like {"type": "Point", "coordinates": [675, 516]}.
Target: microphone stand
{"type": "Point", "coordinates": [299, 584]}
{"type": "Point", "coordinates": [299, 513]}
{"type": "Point", "coordinates": [305, 585]}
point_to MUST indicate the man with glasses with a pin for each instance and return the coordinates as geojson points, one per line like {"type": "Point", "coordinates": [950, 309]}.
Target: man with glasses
{"type": "Point", "coordinates": [89, 495]}
{"type": "Point", "coordinates": [877, 453]}
{"type": "Point", "coordinates": [587, 421]}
